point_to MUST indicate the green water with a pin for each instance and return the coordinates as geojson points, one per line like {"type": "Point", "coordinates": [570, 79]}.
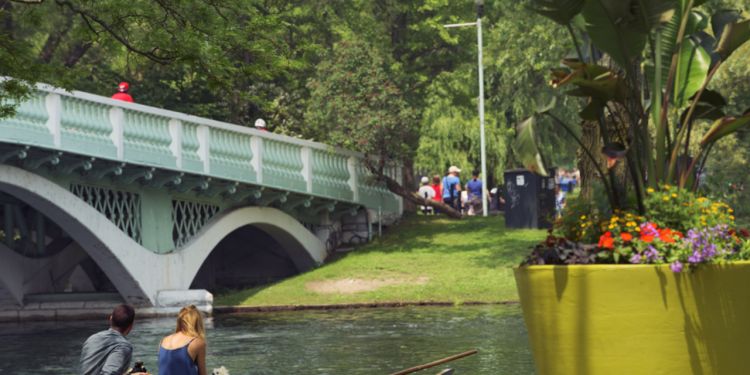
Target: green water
{"type": "Point", "coordinates": [366, 341]}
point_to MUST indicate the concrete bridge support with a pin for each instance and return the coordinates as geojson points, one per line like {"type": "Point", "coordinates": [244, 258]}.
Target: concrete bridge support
{"type": "Point", "coordinates": [150, 280]}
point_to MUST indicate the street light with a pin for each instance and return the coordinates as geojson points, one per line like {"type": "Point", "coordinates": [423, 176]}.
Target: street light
{"type": "Point", "coordinates": [478, 24]}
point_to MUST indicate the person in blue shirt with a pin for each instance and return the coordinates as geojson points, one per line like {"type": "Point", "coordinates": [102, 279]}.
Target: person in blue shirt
{"type": "Point", "coordinates": [474, 189]}
{"type": "Point", "coordinates": [452, 188]}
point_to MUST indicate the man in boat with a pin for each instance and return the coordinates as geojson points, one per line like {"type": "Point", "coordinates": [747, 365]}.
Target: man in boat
{"type": "Point", "coordinates": [108, 352]}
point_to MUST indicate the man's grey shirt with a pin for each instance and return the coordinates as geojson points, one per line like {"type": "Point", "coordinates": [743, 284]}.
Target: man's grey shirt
{"type": "Point", "coordinates": [106, 353]}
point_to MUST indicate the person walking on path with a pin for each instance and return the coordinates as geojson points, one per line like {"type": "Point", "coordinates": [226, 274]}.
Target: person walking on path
{"type": "Point", "coordinates": [428, 193]}
{"type": "Point", "coordinates": [452, 188]}
{"type": "Point", "coordinates": [184, 351]}
{"type": "Point", "coordinates": [108, 352]}
{"type": "Point", "coordinates": [122, 93]}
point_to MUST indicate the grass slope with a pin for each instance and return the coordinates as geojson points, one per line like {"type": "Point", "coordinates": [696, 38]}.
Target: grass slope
{"type": "Point", "coordinates": [435, 259]}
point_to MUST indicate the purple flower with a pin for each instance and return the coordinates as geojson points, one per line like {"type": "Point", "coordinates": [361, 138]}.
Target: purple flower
{"type": "Point", "coordinates": [676, 266]}
{"type": "Point", "coordinates": [652, 255]}
{"type": "Point", "coordinates": [635, 258]}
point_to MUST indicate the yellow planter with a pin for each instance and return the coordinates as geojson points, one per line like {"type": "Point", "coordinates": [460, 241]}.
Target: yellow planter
{"type": "Point", "coordinates": [637, 319]}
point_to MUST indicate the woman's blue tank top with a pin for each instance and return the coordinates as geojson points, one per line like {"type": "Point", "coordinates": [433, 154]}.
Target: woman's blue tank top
{"type": "Point", "coordinates": [176, 361]}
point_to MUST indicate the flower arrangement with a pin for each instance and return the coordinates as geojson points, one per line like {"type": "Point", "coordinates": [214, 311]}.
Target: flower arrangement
{"type": "Point", "coordinates": [681, 229]}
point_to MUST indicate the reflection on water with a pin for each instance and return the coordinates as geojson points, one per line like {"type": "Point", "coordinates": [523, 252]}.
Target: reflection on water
{"type": "Point", "coordinates": [367, 341]}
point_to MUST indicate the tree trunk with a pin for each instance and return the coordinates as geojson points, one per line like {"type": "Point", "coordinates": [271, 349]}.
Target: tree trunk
{"type": "Point", "coordinates": [407, 173]}
{"type": "Point", "coordinates": [53, 40]}
{"type": "Point", "coordinates": [413, 197]}
{"type": "Point", "coordinates": [592, 141]}
{"type": "Point", "coordinates": [76, 52]}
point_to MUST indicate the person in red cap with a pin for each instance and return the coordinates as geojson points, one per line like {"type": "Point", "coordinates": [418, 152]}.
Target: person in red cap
{"type": "Point", "coordinates": [122, 92]}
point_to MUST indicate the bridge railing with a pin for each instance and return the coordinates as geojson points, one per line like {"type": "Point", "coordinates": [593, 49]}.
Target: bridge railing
{"type": "Point", "coordinates": [102, 128]}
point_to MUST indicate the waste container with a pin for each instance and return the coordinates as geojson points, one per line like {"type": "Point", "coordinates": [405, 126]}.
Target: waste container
{"type": "Point", "coordinates": [529, 199]}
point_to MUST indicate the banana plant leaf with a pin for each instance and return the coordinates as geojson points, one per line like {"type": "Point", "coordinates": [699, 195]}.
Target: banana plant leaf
{"type": "Point", "coordinates": [525, 147]}
{"type": "Point", "coordinates": [724, 127]}
{"type": "Point", "coordinates": [560, 11]}
{"type": "Point", "coordinates": [696, 22]}
{"type": "Point", "coordinates": [734, 35]}
{"type": "Point", "coordinates": [709, 107]}
{"type": "Point", "coordinates": [692, 68]}
{"type": "Point", "coordinates": [620, 27]}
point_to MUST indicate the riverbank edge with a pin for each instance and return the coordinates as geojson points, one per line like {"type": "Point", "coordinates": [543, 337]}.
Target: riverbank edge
{"type": "Point", "coordinates": [241, 309]}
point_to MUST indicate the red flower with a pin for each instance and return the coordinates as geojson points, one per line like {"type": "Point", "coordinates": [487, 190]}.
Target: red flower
{"type": "Point", "coordinates": [744, 233]}
{"type": "Point", "coordinates": [647, 238]}
{"type": "Point", "coordinates": [666, 235]}
{"type": "Point", "coordinates": [606, 241]}
{"type": "Point", "coordinates": [626, 237]}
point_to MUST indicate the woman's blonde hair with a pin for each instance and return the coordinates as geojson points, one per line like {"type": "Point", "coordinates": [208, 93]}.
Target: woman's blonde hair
{"type": "Point", "coordinates": [190, 322]}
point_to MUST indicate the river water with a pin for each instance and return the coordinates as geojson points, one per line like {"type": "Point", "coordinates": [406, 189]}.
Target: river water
{"type": "Point", "coordinates": [363, 341]}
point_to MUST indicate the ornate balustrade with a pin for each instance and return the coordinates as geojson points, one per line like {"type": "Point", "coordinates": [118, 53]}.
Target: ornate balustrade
{"type": "Point", "coordinates": [174, 149]}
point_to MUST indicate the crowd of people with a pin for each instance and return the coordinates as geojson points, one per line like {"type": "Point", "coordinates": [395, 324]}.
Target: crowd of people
{"type": "Point", "coordinates": [448, 189]}
{"type": "Point", "coordinates": [180, 353]}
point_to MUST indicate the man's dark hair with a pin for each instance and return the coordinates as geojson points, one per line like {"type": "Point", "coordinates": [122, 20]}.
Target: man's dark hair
{"type": "Point", "coordinates": [475, 173]}
{"type": "Point", "coordinates": [123, 316]}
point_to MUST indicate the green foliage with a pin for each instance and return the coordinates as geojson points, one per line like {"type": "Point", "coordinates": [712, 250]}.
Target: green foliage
{"type": "Point", "coordinates": [682, 210]}
{"type": "Point", "coordinates": [355, 104]}
{"type": "Point", "coordinates": [449, 133]}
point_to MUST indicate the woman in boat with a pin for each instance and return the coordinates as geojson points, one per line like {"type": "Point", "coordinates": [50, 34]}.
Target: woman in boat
{"type": "Point", "coordinates": [184, 351]}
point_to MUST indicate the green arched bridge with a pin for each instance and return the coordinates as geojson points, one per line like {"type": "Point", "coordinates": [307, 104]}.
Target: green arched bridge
{"type": "Point", "coordinates": [104, 201]}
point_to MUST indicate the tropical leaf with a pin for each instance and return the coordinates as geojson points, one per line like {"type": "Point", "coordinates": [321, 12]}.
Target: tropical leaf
{"type": "Point", "coordinates": [724, 127]}
{"type": "Point", "coordinates": [734, 35]}
{"type": "Point", "coordinates": [594, 81]}
{"type": "Point", "coordinates": [692, 68]}
{"type": "Point", "coordinates": [653, 13]}
{"type": "Point", "coordinates": [560, 11]}
{"type": "Point", "coordinates": [614, 28]}
{"type": "Point", "coordinates": [525, 147]}
{"type": "Point", "coordinates": [710, 106]}
{"type": "Point", "coordinates": [697, 22]}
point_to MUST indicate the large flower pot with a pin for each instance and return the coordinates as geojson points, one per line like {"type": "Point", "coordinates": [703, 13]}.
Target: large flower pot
{"type": "Point", "coordinates": [637, 319]}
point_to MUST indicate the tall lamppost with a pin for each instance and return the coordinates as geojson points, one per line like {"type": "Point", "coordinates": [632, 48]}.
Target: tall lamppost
{"type": "Point", "coordinates": [478, 24]}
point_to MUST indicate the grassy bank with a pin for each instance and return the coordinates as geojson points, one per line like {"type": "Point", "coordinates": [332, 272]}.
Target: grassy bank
{"type": "Point", "coordinates": [421, 259]}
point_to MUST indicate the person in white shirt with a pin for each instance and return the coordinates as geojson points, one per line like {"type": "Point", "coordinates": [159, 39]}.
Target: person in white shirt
{"type": "Point", "coordinates": [428, 193]}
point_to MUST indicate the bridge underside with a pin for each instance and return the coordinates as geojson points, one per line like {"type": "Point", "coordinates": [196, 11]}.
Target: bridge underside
{"type": "Point", "coordinates": [60, 251]}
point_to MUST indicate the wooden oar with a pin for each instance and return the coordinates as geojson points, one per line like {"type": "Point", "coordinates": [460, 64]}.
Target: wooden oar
{"type": "Point", "coordinates": [436, 363]}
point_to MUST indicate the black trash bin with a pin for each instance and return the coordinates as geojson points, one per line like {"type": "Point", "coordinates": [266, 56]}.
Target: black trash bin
{"type": "Point", "coordinates": [529, 199]}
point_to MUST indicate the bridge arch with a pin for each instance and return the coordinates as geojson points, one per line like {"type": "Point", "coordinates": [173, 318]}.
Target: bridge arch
{"type": "Point", "coordinates": [304, 248]}
{"type": "Point", "coordinates": [123, 260]}
{"type": "Point", "coordinates": [137, 273]}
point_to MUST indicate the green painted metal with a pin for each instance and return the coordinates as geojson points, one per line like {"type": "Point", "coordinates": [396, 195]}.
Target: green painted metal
{"type": "Point", "coordinates": [123, 208]}
{"type": "Point", "coordinates": [156, 220]}
{"type": "Point", "coordinates": [188, 218]}
{"type": "Point", "coordinates": [160, 175]}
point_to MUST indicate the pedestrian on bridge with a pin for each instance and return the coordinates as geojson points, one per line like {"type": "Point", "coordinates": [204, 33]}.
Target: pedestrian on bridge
{"type": "Point", "coordinates": [122, 92]}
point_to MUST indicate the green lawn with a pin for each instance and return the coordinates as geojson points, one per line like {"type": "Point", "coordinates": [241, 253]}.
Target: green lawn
{"type": "Point", "coordinates": [424, 259]}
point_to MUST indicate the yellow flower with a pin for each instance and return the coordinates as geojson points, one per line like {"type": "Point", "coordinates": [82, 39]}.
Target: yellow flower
{"type": "Point", "coordinates": [674, 195]}
{"type": "Point", "coordinates": [650, 190]}
{"type": "Point", "coordinates": [612, 226]}
{"type": "Point", "coordinates": [667, 187]}
{"type": "Point", "coordinates": [583, 217]}
{"type": "Point", "coordinates": [637, 229]}
{"type": "Point", "coordinates": [630, 224]}
{"type": "Point", "coordinates": [583, 225]}
{"type": "Point", "coordinates": [665, 198]}
{"type": "Point", "coordinates": [730, 210]}
{"type": "Point", "coordinates": [731, 217]}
